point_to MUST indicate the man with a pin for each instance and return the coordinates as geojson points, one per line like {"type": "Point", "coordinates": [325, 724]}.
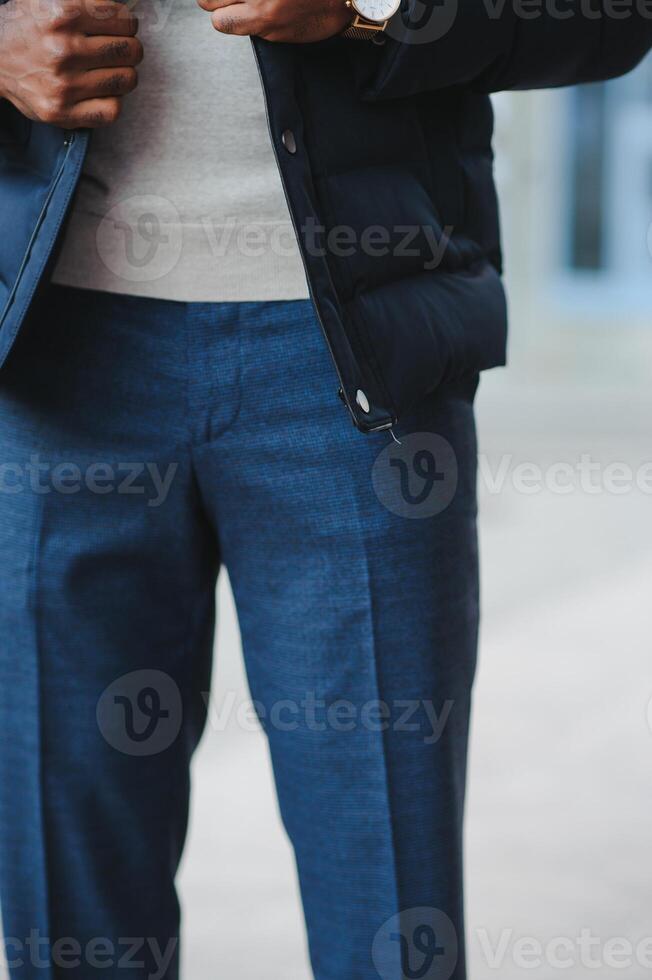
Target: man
{"type": "Point", "coordinates": [168, 404]}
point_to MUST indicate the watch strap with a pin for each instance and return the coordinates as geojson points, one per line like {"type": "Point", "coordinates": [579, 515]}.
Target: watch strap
{"type": "Point", "coordinates": [363, 30]}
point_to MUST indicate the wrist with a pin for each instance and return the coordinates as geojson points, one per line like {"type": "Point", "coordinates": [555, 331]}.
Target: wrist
{"type": "Point", "coordinates": [340, 16]}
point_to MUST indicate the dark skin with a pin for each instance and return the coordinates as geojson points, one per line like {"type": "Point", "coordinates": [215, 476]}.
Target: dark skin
{"type": "Point", "coordinates": [71, 62]}
{"type": "Point", "coordinates": [296, 21]}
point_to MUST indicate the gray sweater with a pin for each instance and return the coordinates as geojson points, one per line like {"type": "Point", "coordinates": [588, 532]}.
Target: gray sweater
{"type": "Point", "coordinates": [181, 199]}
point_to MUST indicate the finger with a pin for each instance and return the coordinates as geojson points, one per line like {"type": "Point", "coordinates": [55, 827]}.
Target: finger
{"type": "Point", "coordinates": [211, 5]}
{"type": "Point", "coordinates": [92, 113]}
{"type": "Point", "coordinates": [109, 18]}
{"type": "Point", "coordinates": [226, 21]}
{"type": "Point", "coordinates": [104, 82]}
{"type": "Point", "coordinates": [108, 52]}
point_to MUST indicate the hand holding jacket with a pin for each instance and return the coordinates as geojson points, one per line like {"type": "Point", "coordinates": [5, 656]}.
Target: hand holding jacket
{"type": "Point", "coordinates": [68, 64]}
{"type": "Point", "coordinates": [296, 21]}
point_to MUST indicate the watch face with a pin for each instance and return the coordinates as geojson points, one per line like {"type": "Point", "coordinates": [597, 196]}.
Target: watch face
{"type": "Point", "coordinates": [377, 11]}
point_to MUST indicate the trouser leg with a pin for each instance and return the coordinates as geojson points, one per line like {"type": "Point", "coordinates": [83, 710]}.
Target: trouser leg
{"type": "Point", "coordinates": [359, 621]}
{"type": "Point", "coordinates": [106, 625]}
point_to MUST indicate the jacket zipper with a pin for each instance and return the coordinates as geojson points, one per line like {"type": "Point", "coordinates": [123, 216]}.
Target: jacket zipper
{"type": "Point", "coordinates": [68, 141]}
{"type": "Point", "coordinates": [342, 390]}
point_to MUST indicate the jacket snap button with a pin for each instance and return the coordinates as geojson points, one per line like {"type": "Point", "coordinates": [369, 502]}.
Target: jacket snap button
{"type": "Point", "coordinates": [289, 141]}
{"type": "Point", "coordinates": [362, 401]}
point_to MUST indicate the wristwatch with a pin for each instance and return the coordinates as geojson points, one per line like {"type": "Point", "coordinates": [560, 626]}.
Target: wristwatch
{"type": "Point", "coordinates": [370, 18]}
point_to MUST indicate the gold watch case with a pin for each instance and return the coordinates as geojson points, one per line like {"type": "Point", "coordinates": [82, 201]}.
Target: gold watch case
{"type": "Point", "coordinates": [370, 17]}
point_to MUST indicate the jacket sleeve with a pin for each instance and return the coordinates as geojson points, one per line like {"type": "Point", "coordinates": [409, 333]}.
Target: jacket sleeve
{"type": "Point", "coordinates": [495, 45]}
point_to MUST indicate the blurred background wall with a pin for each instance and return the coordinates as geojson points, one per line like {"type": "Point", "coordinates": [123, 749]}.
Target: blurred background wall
{"type": "Point", "coordinates": [559, 830]}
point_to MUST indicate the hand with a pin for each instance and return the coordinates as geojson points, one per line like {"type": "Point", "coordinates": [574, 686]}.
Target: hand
{"type": "Point", "coordinates": [68, 62]}
{"type": "Point", "coordinates": [296, 21]}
